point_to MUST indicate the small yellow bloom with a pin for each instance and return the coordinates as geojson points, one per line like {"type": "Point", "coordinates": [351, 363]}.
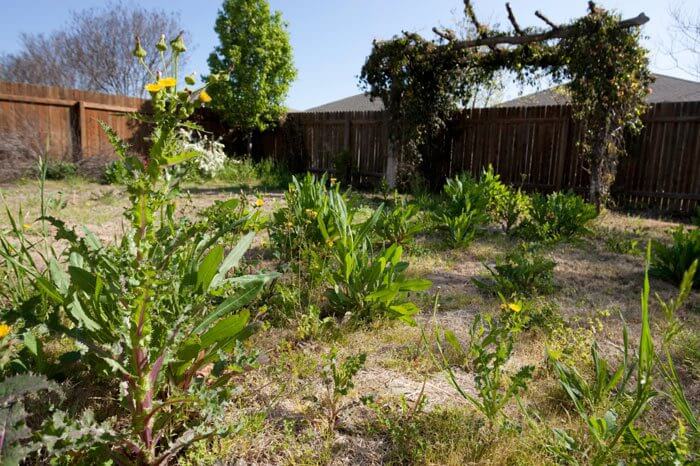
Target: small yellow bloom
{"type": "Point", "coordinates": [27, 226]}
{"type": "Point", "coordinates": [334, 181]}
{"type": "Point", "coordinates": [290, 224]}
{"type": "Point", "coordinates": [153, 87]}
{"type": "Point", "coordinates": [4, 330]}
{"type": "Point", "coordinates": [311, 213]}
{"type": "Point", "coordinates": [259, 202]}
{"type": "Point", "coordinates": [204, 97]}
{"type": "Point", "coordinates": [167, 82]}
{"type": "Point", "coordinates": [515, 307]}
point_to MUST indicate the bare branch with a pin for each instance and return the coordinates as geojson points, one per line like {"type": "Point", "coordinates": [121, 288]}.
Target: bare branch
{"type": "Point", "coordinates": [560, 33]}
{"type": "Point", "coordinates": [549, 22]}
{"type": "Point", "coordinates": [481, 30]}
{"type": "Point", "coordinates": [511, 18]}
{"type": "Point", "coordinates": [446, 34]}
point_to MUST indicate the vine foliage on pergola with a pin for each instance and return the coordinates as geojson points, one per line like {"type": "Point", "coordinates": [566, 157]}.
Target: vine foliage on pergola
{"type": "Point", "coordinates": [424, 82]}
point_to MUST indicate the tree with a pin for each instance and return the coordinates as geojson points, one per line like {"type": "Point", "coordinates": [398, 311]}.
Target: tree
{"type": "Point", "coordinates": [420, 81]}
{"type": "Point", "coordinates": [255, 51]}
{"type": "Point", "coordinates": [685, 37]}
{"type": "Point", "coordinates": [90, 52]}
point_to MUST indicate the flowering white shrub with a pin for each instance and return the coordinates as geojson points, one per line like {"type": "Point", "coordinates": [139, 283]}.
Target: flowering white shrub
{"type": "Point", "coordinates": [212, 157]}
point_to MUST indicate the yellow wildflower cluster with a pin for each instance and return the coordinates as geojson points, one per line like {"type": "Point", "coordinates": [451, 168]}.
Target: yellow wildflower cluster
{"type": "Point", "coordinates": [4, 330]}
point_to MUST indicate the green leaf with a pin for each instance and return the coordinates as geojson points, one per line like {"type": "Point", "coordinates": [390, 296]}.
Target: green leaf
{"type": "Point", "coordinates": [233, 258]}
{"type": "Point", "coordinates": [83, 280]}
{"type": "Point", "coordinates": [226, 329]}
{"type": "Point", "coordinates": [242, 297]}
{"type": "Point", "coordinates": [416, 284]}
{"type": "Point", "coordinates": [208, 267]}
{"type": "Point", "coordinates": [181, 157]}
{"type": "Point", "coordinates": [49, 290]}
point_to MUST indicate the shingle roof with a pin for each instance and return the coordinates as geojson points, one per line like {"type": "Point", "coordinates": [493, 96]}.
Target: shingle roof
{"type": "Point", "coordinates": [664, 89]}
{"type": "Point", "coordinates": [355, 103]}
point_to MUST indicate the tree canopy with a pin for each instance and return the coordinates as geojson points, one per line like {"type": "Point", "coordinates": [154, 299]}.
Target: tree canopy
{"type": "Point", "coordinates": [423, 82]}
{"type": "Point", "coordinates": [90, 52]}
{"type": "Point", "coordinates": [256, 53]}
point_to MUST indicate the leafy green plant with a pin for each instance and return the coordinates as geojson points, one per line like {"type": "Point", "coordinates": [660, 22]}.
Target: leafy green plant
{"type": "Point", "coordinates": [696, 217]}
{"type": "Point", "coordinates": [398, 422]}
{"type": "Point", "coordinates": [400, 224]}
{"type": "Point", "coordinates": [464, 209]}
{"type": "Point", "coordinates": [488, 350]}
{"type": "Point", "coordinates": [522, 271]}
{"type": "Point", "coordinates": [605, 404]}
{"type": "Point", "coordinates": [365, 285]}
{"type": "Point", "coordinates": [670, 262]}
{"type": "Point", "coordinates": [231, 216]}
{"type": "Point", "coordinates": [158, 309]}
{"type": "Point", "coordinates": [512, 208]}
{"type": "Point", "coordinates": [311, 325]}
{"type": "Point", "coordinates": [294, 227]}
{"type": "Point", "coordinates": [674, 387]}
{"type": "Point", "coordinates": [17, 441]}
{"type": "Point", "coordinates": [557, 217]}
{"type": "Point", "coordinates": [337, 377]}
{"type": "Point", "coordinates": [59, 169]}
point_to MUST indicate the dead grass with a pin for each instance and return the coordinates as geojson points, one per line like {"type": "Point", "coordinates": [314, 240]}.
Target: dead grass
{"type": "Point", "coordinates": [278, 411]}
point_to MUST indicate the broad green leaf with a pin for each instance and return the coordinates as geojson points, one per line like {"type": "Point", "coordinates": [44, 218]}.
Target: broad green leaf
{"type": "Point", "coordinates": [181, 157]}
{"type": "Point", "coordinates": [83, 280]}
{"type": "Point", "coordinates": [208, 267]}
{"type": "Point", "coordinates": [49, 290]}
{"type": "Point", "coordinates": [233, 258]}
{"type": "Point", "coordinates": [242, 297]}
{"type": "Point", "coordinates": [225, 329]}
{"type": "Point", "coordinates": [416, 284]}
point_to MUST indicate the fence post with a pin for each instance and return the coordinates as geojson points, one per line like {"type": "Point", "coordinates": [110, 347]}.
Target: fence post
{"type": "Point", "coordinates": [391, 166]}
{"type": "Point", "coordinates": [563, 152]}
{"type": "Point", "coordinates": [80, 145]}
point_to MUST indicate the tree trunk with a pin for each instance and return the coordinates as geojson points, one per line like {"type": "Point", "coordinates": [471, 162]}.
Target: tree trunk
{"type": "Point", "coordinates": [249, 144]}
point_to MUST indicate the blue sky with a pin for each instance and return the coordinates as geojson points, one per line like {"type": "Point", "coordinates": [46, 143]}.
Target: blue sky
{"type": "Point", "coordinates": [331, 38]}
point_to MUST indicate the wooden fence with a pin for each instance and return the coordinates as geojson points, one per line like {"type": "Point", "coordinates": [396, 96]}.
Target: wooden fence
{"type": "Point", "coordinates": [534, 147]}
{"type": "Point", "coordinates": [530, 146]}
{"type": "Point", "coordinates": [63, 121]}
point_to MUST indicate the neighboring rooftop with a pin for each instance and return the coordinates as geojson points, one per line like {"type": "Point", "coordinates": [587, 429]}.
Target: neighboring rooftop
{"type": "Point", "coordinates": [664, 89]}
{"type": "Point", "coordinates": [356, 103]}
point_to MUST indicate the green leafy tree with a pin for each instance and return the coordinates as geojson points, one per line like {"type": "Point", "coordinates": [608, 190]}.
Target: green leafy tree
{"type": "Point", "coordinates": [255, 52]}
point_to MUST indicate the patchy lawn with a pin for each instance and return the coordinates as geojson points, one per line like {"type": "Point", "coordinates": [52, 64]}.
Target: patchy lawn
{"type": "Point", "coordinates": [279, 416]}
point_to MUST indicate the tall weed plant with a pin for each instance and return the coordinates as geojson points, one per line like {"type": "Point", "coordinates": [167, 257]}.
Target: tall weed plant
{"type": "Point", "coordinates": [159, 311]}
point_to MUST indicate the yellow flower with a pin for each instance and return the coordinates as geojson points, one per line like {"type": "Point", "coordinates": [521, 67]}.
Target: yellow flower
{"type": "Point", "coordinates": [515, 307]}
{"type": "Point", "coordinates": [329, 242]}
{"type": "Point", "coordinates": [333, 181]}
{"type": "Point", "coordinates": [259, 202]}
{"type": "Point", "coordinates": [204, 97]}
{"type": "Point", "coordinates": [167, 82]}
{"type": "Point", "coordinates": [154, 87]}
{"type": "Point", "coordinates": [311, 213]}
{"type": "Point", "coordinates": [27, 226]}
{"type": "Point", "coordinates": [290, 224]}
{"type": "Point", "coordinates": [4, 330]}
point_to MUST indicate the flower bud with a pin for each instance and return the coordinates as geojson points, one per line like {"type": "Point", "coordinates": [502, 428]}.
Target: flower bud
{"type": "Point", "coordinates": [138, 51]}
{"type": "Point", "coordinates": [161, 45]}
{"type": "Point", "coordinates": [178, 43]}
{"type": "Point", "coordinates": [190, 80]}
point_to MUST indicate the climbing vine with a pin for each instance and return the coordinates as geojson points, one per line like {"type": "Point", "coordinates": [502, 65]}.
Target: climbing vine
{"type": "Point", "coordinates": [424, 82]}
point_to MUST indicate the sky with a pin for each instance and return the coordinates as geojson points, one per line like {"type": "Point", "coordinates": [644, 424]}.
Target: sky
{"type": "Point", "coordinates": [332, 38]}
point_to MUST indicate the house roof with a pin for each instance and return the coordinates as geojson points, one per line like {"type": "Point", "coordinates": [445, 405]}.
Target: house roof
{"type": "Point", "coordinates": [355, 103]}
{"type": "Point", "coordinates": [664, 89]}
